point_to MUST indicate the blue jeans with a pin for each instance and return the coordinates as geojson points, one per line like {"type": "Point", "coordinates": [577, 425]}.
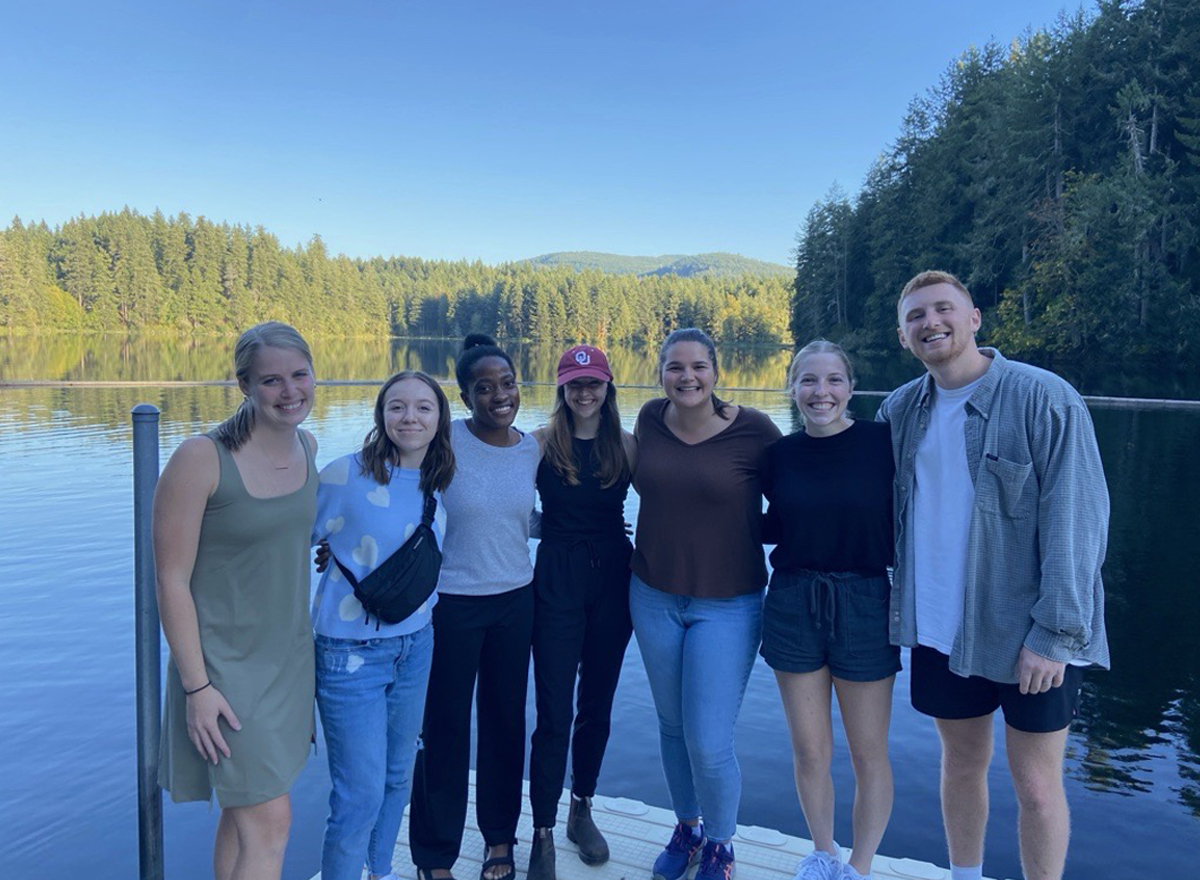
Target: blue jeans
{"type": "Point", "coordinates": [371, 694]}
{"type": "Point", "coordinates": [698, 654]}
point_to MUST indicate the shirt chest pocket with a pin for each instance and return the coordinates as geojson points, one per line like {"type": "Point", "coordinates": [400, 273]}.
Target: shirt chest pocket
{"type": "Point", "coordinates": [1006, 487]}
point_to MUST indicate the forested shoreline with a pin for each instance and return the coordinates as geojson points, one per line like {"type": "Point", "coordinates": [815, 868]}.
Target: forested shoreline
{"type": "Point", "coordinates": [126, 272]}
{"type": "Point", "coordinates": [1059, 177]}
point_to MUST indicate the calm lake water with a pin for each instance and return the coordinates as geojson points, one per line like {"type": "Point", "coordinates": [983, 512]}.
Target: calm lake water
{"type": "Point", "coordinates": [66, 606]}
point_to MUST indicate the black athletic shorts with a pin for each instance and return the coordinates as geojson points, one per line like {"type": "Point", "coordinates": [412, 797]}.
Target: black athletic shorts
{"type": "Point", "coordinates": [938, 692]}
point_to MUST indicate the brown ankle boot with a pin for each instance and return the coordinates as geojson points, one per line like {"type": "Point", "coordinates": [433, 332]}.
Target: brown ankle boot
{"type": "Point", "coordinates": [582, 831]}
{"type": "Point", "coordinates": [541, 855]}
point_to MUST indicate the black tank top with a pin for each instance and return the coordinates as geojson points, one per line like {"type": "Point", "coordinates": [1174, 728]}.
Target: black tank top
{"type": "Point", "coordinates": [583, 512]}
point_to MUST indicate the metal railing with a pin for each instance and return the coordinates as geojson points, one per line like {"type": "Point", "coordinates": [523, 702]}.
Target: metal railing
{"type": "Point", "coordinates": [1095, 401]}
{"type": "Point", "coordinates": [148, 644]}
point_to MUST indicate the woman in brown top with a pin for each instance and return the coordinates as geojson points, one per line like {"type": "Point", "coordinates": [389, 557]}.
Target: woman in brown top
{"type": "Point", "coordinates": [232, 516]}
{"type": "Point", "coordinates": [697, 589]}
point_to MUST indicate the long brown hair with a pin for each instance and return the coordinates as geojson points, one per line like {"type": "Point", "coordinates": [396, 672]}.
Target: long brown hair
{"type": "Point", "coordinates": [378, 450]}
{"type": "Point", "coordinates": [611, 464]}
{"type": "Point", "coordinates": [235, 430]}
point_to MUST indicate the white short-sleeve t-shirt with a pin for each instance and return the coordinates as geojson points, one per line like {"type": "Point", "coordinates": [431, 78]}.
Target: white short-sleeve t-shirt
{"type": "Point", "coordinates": [943, 499]}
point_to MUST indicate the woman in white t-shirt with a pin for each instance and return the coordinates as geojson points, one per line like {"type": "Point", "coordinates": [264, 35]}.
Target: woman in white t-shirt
{"type": "Point", "coordinates": [484, 623]}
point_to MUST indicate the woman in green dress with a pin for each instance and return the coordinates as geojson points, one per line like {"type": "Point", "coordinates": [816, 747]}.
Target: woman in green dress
{"type": "Point", "coordinates": [232, 516]}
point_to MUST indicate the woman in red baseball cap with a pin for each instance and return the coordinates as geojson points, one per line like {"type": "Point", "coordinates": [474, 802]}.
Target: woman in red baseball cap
{"type": "Point", "coordinates": [581, 598]}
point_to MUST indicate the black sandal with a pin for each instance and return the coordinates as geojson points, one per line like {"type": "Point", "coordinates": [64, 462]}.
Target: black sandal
{"type": "Point", "coordinates": [427, 874]}
{"type": "Point", "coordinates": [499, 862]}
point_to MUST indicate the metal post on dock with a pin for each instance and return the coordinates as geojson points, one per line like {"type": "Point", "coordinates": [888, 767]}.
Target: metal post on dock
{"type": "Point", "coordinates": [148, 644]}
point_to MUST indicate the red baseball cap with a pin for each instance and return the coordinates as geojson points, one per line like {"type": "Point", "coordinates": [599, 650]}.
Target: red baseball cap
{"type": "Point", "coordinates": [583, 362]}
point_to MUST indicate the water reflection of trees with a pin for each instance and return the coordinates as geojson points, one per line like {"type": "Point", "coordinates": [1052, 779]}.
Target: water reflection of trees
{"type": "Point", "coordinates": [1146, 707]}
{"type": "Point", "coordinates": [114, 357]}
{"type": "Point", "coordinates": [99, 357]}
{"type": "Point", "coordinates": [109, 357]}
{"type": "Point", "coordinates": [148, 358]}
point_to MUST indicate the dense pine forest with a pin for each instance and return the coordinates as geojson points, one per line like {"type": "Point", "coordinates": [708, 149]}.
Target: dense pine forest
{"type": "Point", "coordinates": [124, 272]}
{"type": "Point", "coordinates": [1059, 177]}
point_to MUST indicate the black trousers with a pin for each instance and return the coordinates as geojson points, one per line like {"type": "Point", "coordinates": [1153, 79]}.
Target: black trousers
{"type": "Point", "coordinates": [484, 637]}
{"type": "Point", "coordinates": [581, 626]}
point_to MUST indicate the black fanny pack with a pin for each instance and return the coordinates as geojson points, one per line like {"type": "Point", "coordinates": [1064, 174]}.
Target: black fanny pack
{"type": "Point", "coordinates": [403, 581]}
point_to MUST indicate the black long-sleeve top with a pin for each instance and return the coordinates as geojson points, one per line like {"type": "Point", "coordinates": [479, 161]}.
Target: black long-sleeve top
{"type": "Point", "coordinates": [831, 500]}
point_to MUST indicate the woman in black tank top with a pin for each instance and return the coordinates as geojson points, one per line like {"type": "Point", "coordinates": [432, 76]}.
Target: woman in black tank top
{"type": "Point", "coordinates": [581, 599]}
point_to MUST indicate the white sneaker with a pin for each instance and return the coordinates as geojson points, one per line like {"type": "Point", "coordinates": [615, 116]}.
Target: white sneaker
{"type": "Point", "coordinates": [820, 865]}
{"type": "Point", "coordinates": [850, 873]}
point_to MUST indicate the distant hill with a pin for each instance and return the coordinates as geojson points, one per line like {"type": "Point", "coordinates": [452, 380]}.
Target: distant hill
{"type": "Point", "coordinates": [718, 265]}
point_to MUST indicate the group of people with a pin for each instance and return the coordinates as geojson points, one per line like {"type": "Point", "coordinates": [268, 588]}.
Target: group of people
{"type": "Point", "coordinates": [968, 522]}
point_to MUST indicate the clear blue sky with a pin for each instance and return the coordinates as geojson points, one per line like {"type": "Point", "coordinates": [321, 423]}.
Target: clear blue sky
{"type": "Point", "coordinates": [490, 130]}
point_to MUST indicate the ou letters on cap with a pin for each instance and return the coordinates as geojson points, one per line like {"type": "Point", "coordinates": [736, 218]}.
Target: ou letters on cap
{"type": "Point", "coordinates": [583, 362]}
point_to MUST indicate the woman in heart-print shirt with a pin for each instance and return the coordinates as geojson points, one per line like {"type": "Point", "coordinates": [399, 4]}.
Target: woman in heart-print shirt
{"type": "Point", "coordinates": [372, 675]}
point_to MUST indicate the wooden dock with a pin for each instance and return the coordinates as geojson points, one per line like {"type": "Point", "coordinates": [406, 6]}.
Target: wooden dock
{"type": "Point", "coordinates": [636, 833]}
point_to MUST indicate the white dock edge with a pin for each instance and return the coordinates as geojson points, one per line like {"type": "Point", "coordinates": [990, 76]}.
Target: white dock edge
{"type": "Point", "coordinates": [636, 833]}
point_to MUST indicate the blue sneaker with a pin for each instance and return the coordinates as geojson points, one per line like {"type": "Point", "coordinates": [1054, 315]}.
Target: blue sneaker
{"type": "Point", "coordinates": [717, 862]}
{"type": "Point", "coordinates": [683, 851]}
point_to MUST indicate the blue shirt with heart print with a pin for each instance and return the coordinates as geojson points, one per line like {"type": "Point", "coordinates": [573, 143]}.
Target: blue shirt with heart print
{"type": "Point", "coordinates": [365, 523]}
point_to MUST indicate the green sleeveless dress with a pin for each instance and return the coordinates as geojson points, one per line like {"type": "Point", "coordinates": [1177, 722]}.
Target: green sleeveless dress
{"type": "Point", "coordinates": [251, 589]}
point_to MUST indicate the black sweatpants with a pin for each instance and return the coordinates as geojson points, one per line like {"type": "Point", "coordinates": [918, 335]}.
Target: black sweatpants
{"type": "Point", "coordinates": [485, 637]}
{"type": "Point", "coordinates": [581, 626]}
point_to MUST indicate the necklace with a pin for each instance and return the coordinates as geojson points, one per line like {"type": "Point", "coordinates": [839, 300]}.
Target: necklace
{"type": "Point", "coordinates": [278, 467]}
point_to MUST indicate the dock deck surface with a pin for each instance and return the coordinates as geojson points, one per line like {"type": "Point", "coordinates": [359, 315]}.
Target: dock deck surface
{"type": "Point", "coordinates": [636, 833]}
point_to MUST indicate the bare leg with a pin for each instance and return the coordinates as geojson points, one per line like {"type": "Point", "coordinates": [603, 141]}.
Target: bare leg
{"type": "Point", "coordinates": [866, 714]}
{"type": "Point", "coordinates": [262, 833]}
{"type": "Point", "coordinates": [225, 848]}
{"type": "Point", "coordinates": [806, 703]}
{"type": "Point", "coordinates": [1044, 823]}
{"type": "Point", "coordinates": [966, 754]}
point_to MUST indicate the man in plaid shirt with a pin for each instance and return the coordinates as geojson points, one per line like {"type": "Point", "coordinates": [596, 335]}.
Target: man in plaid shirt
{"type": "Point", "coordinates": [1001, 528]}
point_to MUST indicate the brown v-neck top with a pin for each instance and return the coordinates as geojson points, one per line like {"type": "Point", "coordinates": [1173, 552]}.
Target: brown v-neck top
{"type": "Point", "coordinates": [699, 529]}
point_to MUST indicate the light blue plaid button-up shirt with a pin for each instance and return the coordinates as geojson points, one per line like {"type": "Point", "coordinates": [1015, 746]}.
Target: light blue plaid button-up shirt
{"type": "Point", "coordinates": [1039, 526]}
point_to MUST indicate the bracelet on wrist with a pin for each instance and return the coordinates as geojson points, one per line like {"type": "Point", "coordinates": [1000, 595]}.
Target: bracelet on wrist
{"type": "Point", "coordinates": [197, 690]}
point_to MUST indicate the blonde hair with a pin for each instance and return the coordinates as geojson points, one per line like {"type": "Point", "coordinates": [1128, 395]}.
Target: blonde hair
{"type": "Point", "coordinates": [930, 277]}
{"type": "Point", "coordinates": [235, 430]}
{"type": "Point", "coordinates": [819, 346]}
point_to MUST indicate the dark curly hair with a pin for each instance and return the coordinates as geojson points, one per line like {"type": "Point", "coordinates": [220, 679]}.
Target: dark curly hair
{"type": "Point", "coordinates": [475, 348]}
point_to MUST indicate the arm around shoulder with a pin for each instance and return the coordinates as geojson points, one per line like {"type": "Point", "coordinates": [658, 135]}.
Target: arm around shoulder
{"type": "Point", "coordinates": [629, 444]}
